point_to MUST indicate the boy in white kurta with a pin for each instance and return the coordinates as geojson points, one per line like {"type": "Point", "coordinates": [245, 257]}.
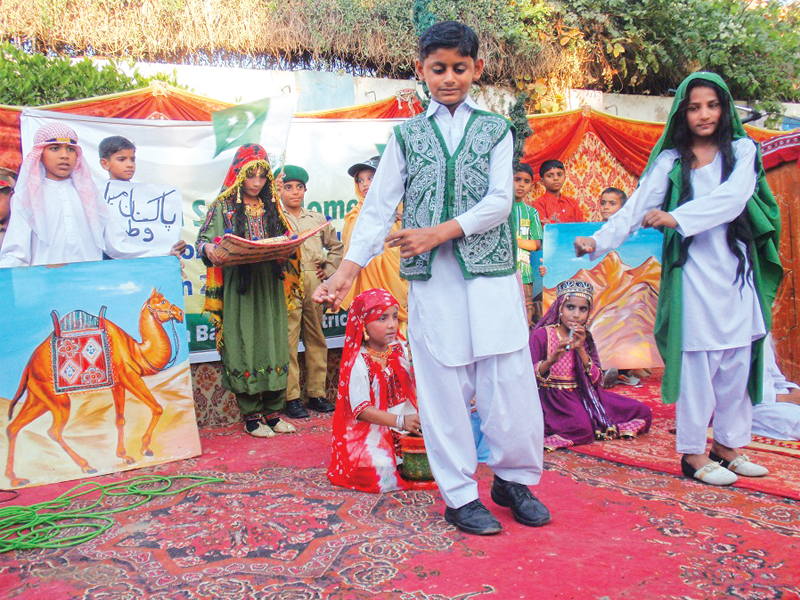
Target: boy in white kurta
{"type": "Point", "coordinates": [57, 216]}
{"type": "Point", "coordinates": [778, 415]}
{"type": "Point", "coordinates": [467, 325]}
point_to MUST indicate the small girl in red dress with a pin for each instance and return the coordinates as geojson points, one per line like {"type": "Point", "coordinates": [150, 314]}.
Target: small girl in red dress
{"type": "Point", "coordinates": [376, 399]}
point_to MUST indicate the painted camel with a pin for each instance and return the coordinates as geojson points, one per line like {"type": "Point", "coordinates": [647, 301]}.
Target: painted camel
{"type": "Point", "coordinates": [131, 361]}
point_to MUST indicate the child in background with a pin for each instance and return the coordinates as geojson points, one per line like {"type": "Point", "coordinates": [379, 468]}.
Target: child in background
{"type": "Point", "coordinates": [704, 185]}
{"type": "Point", "coordinates": [118, 157]}
{"type": "Point", "coordinates": [376, 395]}
{"type": "Point", "coordinates": [778, 415]}
{"type": "Point", "coordinates": [576, 409]}
{"type": "Point", "coordinates": [306, 319]}
{"type": "Point", "coordinates": [383, 271]}
{"type": "Point", "coordinates": [466, 327]}
{"type": "Point", "coordinates": [611, 200]}
{"type": "Point", "coordinates": [247, 302]}
{"type": "Point", "coordinates": [7, 181]}
{"type": "Point", "coordinates": [58, 216]}
{"type": "Point", "coordinates": [529, 235]}
{"type": "Point", "coordinates": [553, 206]}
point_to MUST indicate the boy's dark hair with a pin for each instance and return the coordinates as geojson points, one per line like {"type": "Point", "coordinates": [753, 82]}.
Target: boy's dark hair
{"type": "Point", "coordinates": [623, 197]}
{"type": "Point", "coordinates": [523, 168]}
{"type": "Point", "coordinates": [550, 164]}
{"type": "Point", "coordinates": [113, 144]}
{"type": "Point", "coordinates": [448, 34]}
{"type": "Point", "coordinates": [6, 174]}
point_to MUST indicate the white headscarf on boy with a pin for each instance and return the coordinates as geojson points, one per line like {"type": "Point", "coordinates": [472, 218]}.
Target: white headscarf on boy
{"type": "Point", "coordinates": [29, 198]}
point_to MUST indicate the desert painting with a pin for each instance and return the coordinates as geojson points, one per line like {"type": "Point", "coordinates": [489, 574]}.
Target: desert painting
{"type": "Point", "coordinates": [96, 372]}
{"type": "Point", "coordinates": [626, 285]}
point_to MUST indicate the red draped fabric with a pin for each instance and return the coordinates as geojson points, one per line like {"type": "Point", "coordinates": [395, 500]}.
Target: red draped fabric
{"type": "Point", "coordinates": [558, 136]}
{"type": "Point", "coordinates": [160, 101]}
{"type": "Point", "coordinates": [405, 104]}
{"type": "Point", "coordinates": [781, 149]}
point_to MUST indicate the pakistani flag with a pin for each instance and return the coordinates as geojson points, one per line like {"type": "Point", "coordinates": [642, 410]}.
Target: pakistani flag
{"type": "Point", "coordinates": [251, 123]}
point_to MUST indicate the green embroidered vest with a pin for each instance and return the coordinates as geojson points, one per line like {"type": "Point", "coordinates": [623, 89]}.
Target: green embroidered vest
{"type": "Point", "coordinates": [440, 187]}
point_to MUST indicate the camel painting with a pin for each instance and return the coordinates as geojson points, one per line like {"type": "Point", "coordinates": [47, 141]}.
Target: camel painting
{"type": "Point", "coordinates": [92, 360]}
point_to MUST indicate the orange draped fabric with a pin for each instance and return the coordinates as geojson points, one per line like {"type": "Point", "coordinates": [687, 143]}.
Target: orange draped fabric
{"type": "Point", "coordinates": [158, 101]}
{"type": "Point", "coordinates": [402, 105]}
{"type": "Point", "coordinates": [558, 136]}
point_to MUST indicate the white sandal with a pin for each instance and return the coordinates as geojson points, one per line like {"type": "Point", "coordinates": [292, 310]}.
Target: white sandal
{"type": "Point", "coordinates": [713, 473]}
{"type": "Point", "coordinates": [262, 431]}
{"type": "Point", "coordinates": [284, 427]}
{"type": "Point", "coordinates": [741, 465]}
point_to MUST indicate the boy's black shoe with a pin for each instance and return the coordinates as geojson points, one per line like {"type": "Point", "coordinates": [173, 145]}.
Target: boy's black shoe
{"type": "Point", "coordinates": [525, 507]}
{"type": "Point", "coordinates": [320, 405]}
{"type": "Point", "coordinates": [473, 518]}
{"type": "Point", "coordinates": [295, 410]}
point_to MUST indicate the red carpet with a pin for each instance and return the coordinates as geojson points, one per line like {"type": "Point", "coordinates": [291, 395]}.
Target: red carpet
{"type": "Point", "coordinates": [277, 530]}
{"type": "Point", "coordinates": [656, 449]}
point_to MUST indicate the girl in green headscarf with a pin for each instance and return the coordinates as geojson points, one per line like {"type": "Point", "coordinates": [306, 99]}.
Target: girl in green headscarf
{"type": "Point", "coordinates": [704, 186]}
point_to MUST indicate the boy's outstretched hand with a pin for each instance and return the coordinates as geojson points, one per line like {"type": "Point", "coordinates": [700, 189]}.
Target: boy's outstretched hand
{"type": "Point", "coordinates": [333, 290]}
{"type": "Point", "coordinates": [584, 245]}
{"type": "Point", "coordinates": [413, 242]}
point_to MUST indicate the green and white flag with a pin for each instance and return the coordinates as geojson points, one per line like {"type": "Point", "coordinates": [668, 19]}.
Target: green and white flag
{"type": "Point", "coordinates": [264, 122]}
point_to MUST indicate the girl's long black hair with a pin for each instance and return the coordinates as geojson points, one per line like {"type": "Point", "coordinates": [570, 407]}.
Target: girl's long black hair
{"type": "Point", "coordinates": [275, 225]}
{"type": "Point", "coordinates": [740, 229]}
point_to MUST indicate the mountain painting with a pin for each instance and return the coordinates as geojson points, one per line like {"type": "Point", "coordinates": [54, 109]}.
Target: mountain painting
{"type": "Point", "coordinates": [626, 284]}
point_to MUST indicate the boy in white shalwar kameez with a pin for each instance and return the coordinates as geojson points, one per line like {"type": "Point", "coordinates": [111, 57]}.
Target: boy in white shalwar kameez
{"type": "Point", "coordinates": [57, 214]}
{"type": "Point", "coordinates": [467, 325]}
{"type": "Point", "coordinates": [778, 415]}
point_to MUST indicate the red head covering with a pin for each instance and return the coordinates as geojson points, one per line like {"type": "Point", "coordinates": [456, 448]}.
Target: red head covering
{"type": "Point", "coordinates": [347, 462]}
{"type": "Point", "coordinates": [366, 307]}
{"type": "Point", "coordinates": [247, 157]}
{"type": "Point", "coordinates": [29, 199]}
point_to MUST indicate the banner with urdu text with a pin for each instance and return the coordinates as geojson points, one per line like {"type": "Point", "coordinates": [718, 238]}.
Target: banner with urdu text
{"type": "Point", "coordinates": [180, 155]}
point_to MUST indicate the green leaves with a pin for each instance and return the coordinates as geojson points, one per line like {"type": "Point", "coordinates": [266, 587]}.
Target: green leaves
{"type": "Point", "coordinates": [640, 46]}
{"type": "Point", "coordinates": [34, 79]}
{"type": "Point", "coordinates": [651, 45]}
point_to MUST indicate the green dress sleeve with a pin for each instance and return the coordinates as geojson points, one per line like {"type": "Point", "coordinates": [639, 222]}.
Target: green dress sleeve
{"type": "Point", "coordinates": [212, 228]}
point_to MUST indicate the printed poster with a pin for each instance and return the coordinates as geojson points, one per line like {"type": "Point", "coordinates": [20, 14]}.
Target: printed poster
{"type": "Point", "coordinates": [84, 344]}
{"type": "Point", "coordinates": [626, 283]}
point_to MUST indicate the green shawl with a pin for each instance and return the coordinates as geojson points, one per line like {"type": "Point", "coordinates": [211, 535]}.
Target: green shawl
{"type": "Point", "coordinates": [767, 270]}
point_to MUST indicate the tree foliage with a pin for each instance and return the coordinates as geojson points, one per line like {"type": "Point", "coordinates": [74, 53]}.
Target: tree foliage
{"type": "Point", "coordinates": [649, 46]}
{"type": "Point", "coordinates": [34, 79]}
{"type": "Point", "coordinates": [541, 46]}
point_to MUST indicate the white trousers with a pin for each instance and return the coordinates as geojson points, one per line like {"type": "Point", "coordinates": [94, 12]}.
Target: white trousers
{"type": "Point", "coordinates": [714, 383]}
{"type": "Point", "coordinates": [508, 404]}
{"type": "Point", "coordinates": [780, 421]}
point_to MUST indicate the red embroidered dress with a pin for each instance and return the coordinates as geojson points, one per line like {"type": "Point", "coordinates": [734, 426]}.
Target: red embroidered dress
{"type": "Point", "coordinates": [365, 455]}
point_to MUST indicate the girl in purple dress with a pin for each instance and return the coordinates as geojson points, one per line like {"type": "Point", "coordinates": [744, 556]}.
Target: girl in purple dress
{"type": "Point", "coordinates": [576, 408]}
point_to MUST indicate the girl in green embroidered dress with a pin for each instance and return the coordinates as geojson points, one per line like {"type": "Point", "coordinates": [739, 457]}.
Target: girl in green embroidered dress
{"type": "Point", "coordinates": [251, 302]}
